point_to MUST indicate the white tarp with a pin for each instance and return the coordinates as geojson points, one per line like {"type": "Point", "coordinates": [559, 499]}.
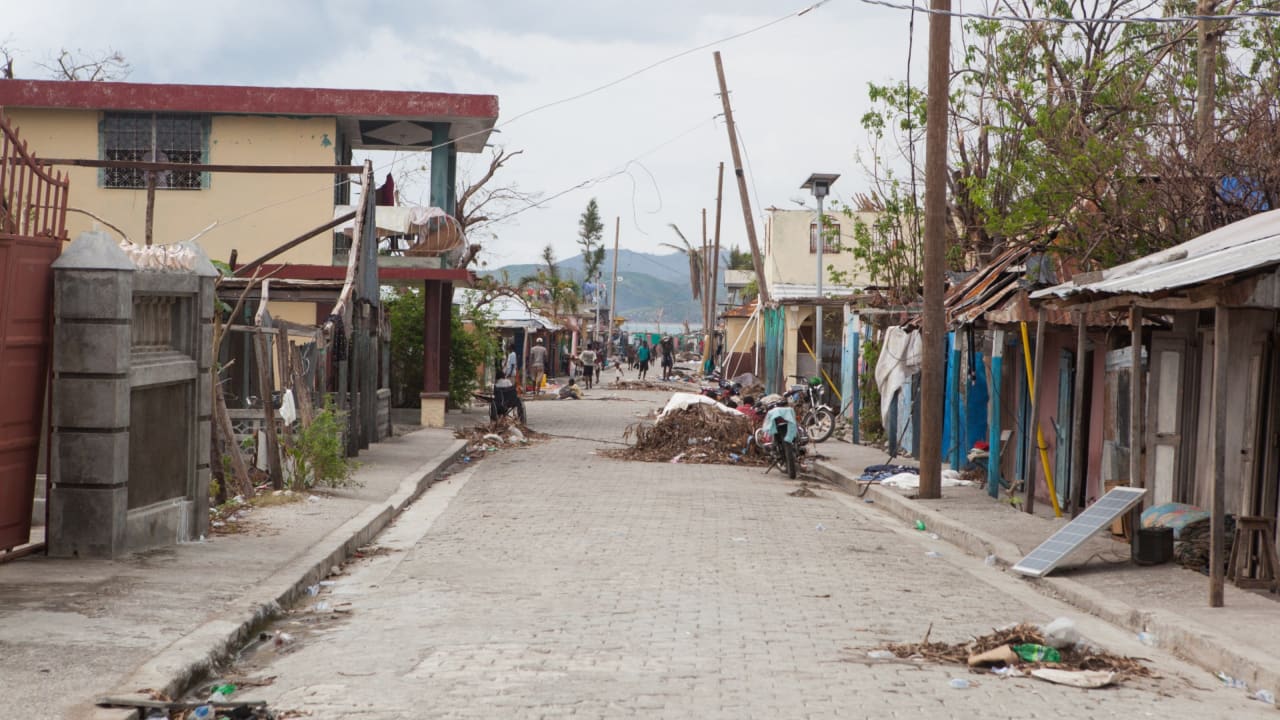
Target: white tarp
{"type": "Point", "coordinates": [911, 480]}
{"type": "Point", "coordinates": [682, 400]}
{"type": "Point", "coordinates": [900, 358]}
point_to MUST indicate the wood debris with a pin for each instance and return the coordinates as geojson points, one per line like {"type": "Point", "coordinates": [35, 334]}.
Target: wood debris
{"type": "Point", "coordinates": [1073, 658]}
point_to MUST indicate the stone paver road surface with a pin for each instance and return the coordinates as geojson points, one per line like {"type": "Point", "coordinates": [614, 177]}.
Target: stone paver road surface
{"type": "Point", "coordinates": [552, 582]}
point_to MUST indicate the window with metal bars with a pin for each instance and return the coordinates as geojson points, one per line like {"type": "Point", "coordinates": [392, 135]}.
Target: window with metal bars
{"type": "Point", "coordinates": [830, 243]}
{"type": "Point", "coordinates": [154, 137]}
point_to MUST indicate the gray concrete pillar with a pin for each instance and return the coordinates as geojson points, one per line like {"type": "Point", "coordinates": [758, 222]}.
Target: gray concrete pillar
{"type": "Point", "coordinates": [93, 308]}
{"type": "Point", "coordinates": [206, 302]}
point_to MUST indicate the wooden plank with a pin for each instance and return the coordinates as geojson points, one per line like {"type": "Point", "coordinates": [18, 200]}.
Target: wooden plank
{"type": "Point", "coordinates": [225, 428]}
{"type": "Point", "coordinates": [1135, 397]}
{"type": "Point", "coordinates": [1078, 442]}
{"type": "Point", "coordinates": [301, 391]}
{"type": "Point", "coordinates": [265, 386]}
{"type": "Point", "coordinates": [249, 267]}
{"type": "Point", "coordinates": [1217, 503]}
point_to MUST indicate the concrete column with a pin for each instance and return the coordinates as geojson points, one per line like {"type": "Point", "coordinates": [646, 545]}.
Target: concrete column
{"type": "Point", "coordinates": [204, 308]}
{"type": "Point", "coordinates": [93, 308]}
{"type": "Point", "coordinates": [434, 394]}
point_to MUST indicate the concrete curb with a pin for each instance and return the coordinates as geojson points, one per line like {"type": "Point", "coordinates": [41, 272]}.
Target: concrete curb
{"type": "Point", "coordinates": [1179, 635]}
{"type": "Point", "coordinates": [174, 669]}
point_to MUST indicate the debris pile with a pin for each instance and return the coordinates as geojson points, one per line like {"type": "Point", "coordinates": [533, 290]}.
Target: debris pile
{"type": "Point", "coordinates": [663, 385]}
{"type": "Point", "coordinates": [698, 434]}
{"type": "Point", "coordinates": [1022, 647]}
{"type": "Point", "coordinates": [505, 432]}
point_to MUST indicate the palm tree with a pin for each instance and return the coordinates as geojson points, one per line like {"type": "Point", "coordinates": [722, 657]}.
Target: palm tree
{"type": "Point", "coordinates": [695, 261]}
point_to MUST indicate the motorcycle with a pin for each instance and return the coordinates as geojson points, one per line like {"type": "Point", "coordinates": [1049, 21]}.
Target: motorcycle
{"type": "Point", "coordinates": [725, 393]}
{"type": "Point", "coordinates": [782, 439]}
{"type": "Point", "coordinates": [809, 399]}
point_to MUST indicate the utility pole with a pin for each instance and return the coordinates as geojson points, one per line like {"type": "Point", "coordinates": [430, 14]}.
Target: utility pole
{"type": "Point", "coordinates": [756, 258]}
{"type": "Point", "coordinates": [706, 291]}
{"type": "Point", "coordinates": [715, 266]}
{"type": "Point", "coordinates": [1207, 41]}
{"type": "Point", "coordinates": [613, 283]}
{"type": "Point", "coordinates": [932, 385]}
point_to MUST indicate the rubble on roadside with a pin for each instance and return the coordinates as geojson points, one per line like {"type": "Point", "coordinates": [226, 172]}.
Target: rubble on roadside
{"type": "Point", "coordinates": [1022, 650]}
{"type": "Point", "coordinates": [503, 433]}
{"type": "Point", "coordinates": [700, 433]}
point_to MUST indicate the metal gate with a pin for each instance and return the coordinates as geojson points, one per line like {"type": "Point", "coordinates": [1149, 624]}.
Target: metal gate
{"type": "Point", "coordinates": [33, 212]}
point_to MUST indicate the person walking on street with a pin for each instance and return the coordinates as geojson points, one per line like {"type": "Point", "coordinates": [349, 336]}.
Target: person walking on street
{"type": "Point", "coordinates": [587, 358]}
{"type": "Point", "coordinates": [642, 358]}
{"type": "Point", "coordinates": [668, 357]}
{"type": "Point", "coordinates": [509, 368]}
{"type": "Point", "coordinates": [538, 364]}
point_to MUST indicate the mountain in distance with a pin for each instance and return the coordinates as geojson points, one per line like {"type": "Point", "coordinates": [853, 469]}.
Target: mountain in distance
{"type": "Point", "coordinates": [647, 284]}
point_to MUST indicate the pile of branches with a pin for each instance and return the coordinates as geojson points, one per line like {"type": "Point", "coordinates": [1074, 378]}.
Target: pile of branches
{"type": "Point", "coordinates": [1076, 657]}
{"type": "Point", "coordinates": [699, 434]}
{"type": "Point", "coordinates": [641, 385]}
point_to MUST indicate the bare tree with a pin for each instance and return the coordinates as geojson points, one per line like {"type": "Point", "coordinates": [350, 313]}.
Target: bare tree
{"type": "Point", "coordinates": [6, 63]}
{"type": "Point", "coordinates": [92, 67]}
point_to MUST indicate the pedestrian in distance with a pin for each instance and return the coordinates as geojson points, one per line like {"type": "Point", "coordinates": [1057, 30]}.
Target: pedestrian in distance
{"type": "Point", "coordinates": [509, 367]}
{"type": "Point", "coordinates": [587, 358]}
{"type": "Point", "coordinates": [642, 358]}
{"type": "Point", "coordinates": [668, 357]}
{"type": "Point", "coordinates": [538, 364]}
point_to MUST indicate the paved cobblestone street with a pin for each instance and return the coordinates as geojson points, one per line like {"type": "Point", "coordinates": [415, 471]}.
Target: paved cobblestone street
{"type": "Point", "coordinates": [552, 582]}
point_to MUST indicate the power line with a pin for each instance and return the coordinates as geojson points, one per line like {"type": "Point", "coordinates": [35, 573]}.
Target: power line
{"type": "Point", "coordinates": [1133, 20]}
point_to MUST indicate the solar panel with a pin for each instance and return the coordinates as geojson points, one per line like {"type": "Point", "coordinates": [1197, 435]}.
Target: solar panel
{"type": "Point", "coordinates": [1048, 554]}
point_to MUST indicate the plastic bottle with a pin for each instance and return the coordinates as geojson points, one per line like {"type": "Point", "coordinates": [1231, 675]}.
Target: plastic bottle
{"type": "Point", "coordinates": [959, 683]}
{"type": "Point", "coordinates": [203, 712]}
{"type": "Point", "coordinates": [1032, 652]}
{"type": "Point", "coordinates": [881, 655]}
{"type": "Point", "coordinates": [920, 525]}
{"type": "Point", "coordinates": [1265, 696]}
{"type": "Point", "coordinates": [1147, 639]}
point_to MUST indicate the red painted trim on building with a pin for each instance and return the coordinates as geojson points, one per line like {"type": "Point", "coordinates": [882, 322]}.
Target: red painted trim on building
{"type": "Point", "coordinates": [339, 272]}
{"type": "Point", "coordinates": [249, 100]}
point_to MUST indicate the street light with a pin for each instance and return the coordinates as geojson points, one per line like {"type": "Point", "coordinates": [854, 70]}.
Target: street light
{"type": "Point", "coordinates": [820, 185]}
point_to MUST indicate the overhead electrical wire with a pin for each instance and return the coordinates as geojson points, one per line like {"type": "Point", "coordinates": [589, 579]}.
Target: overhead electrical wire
{"type": "Point", "coordinates": [1134, 20]}
{"type": "Point", "coordinates": [617, 81]}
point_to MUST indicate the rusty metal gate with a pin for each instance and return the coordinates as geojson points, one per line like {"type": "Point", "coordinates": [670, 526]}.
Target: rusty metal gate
{"type": "Point", "coordinates": [33, 213]}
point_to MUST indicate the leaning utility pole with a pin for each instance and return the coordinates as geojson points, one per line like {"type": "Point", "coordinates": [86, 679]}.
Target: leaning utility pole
{"type": "Point", "coordinates": [932, 386]}
{"type": "Point", "coordinates": [715, 267]}
{"type": "Point", "coordinates": [756, 258]}
{"type": "Point", "coordinates": [613, 285]}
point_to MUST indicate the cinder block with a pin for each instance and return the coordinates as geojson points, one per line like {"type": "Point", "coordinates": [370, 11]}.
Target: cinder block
{"type": "Point", "coordinates": [87, 522]}
{"type": "Point", "coordinates": [91, 403]}
{"type": "Point", "coordinates": [204, 396]}
{"type": "Point", "coordinates": [433, 411]}
{"type": "Point", "coordinates": [90, 348]}
{"type": "Point", "coordinates": [90, 458]}
{"type": "Point", "coordinates": [93, 294]}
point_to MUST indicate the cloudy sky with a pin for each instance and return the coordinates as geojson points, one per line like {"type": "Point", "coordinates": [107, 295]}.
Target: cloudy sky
{"type": "Point", "coordinates": [646, 148]}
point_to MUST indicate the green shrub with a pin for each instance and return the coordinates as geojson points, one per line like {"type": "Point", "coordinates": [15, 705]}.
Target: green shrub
{"type": "Point", "coordinates": [318, 455]}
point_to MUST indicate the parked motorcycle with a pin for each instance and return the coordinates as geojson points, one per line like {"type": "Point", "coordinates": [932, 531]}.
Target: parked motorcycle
{"type": "Point", "coordinates": [782, 439]}
{"type": "Point", "coordinates": [809, 399]}
{"type": "Point", "coordinates": [725, 393]}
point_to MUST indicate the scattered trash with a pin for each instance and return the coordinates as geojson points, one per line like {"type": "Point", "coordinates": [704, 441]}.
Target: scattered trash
{"type": "Point", "coordinates": [739, 539]}
{"type": "Point", "coordinates": [868, 501]}
{"type": "Point", "coordinates": [1061, 633]}
{"type": "Point", "coordinates": [920, 525]}
{"type": "Point", "coordinates": [1265, 696]}
{"type": "Point", "coordinates": [515, 434]}
{"type": "Point", "coordinates": [322, 606]}
{"type": "Point", "coordinates": [221, 693]}
{"type": "Point", "coordinates": [960, 684]}
{"type": "Point", "coordinates": [466, 459]}
{"type": "Point", "coordinates": [1147, 639]}
{"type": "Point", "coordinates": [990, 561]}
{"type": "Point", "coordinates": [330, 583]}
{"type": "Point", "coordinates": [1079, 657]}
{"type": "Point", "coordinates": [933, 554]}
{"type": "Point", "coordinates": [1035, 652]}
{"type": "Point", "coordinates": [999, 656]}
{"type": "Point", "coordinates": [880, 655]}
{"type": "Point", "coordinates": [1007, 671]}
{"type": "Point", "coordinates": [1230, 681]}
{"type": "Point", "coordinates": [734, 457]}
{"type": "Point", "coordinates": [677, 459]}
{"type": "Point", "coordinates": [313, 590]}
{"type": "Point", "coordinates": [933, 536]}
{"type": "Point", "coordinates": [803, 491]}
{"type": "Point", "coordinates": [282, 639]}
{"type": "Point", "coordinates": [313, 499]}
{"type": "Point", "coordinates": [820, 527]}
{"type": "Point", "coordinates": [202, 712]}
{"type": "Point", "coordinates": [1087, 679]}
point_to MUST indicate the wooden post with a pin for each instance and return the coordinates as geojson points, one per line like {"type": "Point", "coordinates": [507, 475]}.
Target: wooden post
{"type": "Point", "coordinates": [706, 293]}
{"type": "Point", "coordinates": [1029, 497]}
{"type": "Point", "coordinates": [223, 420]}
{"type": "Point", "coordinates": [994, 414]}
{"type": "Point", "coordinates": [151, 205]}
{"type": "Point", "coordinates": [1135, 398]}
{"type": "Point", "coordinates": [715, 264]}
{"type": "Point", "coordinates": [301, 392]}
{"type": "Point", "coordinates": [1207, 41]}
{"type": "Point", "coordinates": [265, 385]}
{"type": "Point", "coordinates": [1217, 503]}
{"type": "Point", "coordinates": [757, 260]}
{"type": "Point", "coordinates": [933, 321]}
{"type": "Point", "coordinates": [1079, 458]}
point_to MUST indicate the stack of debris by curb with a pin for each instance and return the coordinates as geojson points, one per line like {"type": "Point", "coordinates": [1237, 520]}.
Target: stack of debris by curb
{"type": "Point", "coordinates": [662, 385]}
{"type": "Point", "coordinates": [504, 432]}
{"type": "Point", "coordinates": [1054, 653]}
{"type": "Point", "coordinates": [691, 429]}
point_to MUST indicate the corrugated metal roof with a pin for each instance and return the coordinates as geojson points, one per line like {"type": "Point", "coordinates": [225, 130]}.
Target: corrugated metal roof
{"type": "Point", "coordinates": [1247, 245]}
{"type": "Point", "coordinates": [508, 311]}
{"type": "Point", "coordinates": [801, 291]}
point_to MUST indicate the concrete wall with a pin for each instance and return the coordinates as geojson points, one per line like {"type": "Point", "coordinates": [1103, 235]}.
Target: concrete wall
{"type": "Point", "coordinates": [787, 257]}
{"type": "Point", "coordinates": [298, 202]}
{"type": "Point", "coordinates": [127, 340]}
